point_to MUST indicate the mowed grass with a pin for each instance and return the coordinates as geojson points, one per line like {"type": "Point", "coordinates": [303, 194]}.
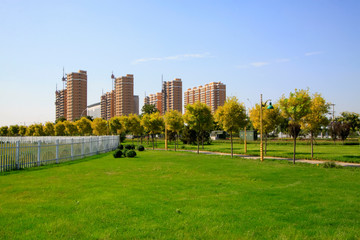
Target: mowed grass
{"type": "Point", "coordinates": [323, 149]}
{"type": "Point", "coordinates": [180, 195]}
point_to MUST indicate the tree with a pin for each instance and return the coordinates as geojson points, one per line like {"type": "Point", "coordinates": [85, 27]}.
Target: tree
{"type": "Point", "coordinates": [30, 130]}
{"type": "Point", "coordinates": [14, 130]}
{"type": "Point", "coordinates": [295, 108]}
{"type": "Point", "coordinates": [49, 129]}
{"type": "Point", "coordinates": [232, 117]}
{"type": "Point", "coordinates": [60, 119]}
{"type": "Point", "coordinates": [59, 129]}
{"type": "Point", "coordinates": [199, 118]}
{"type": "Point", "coordinates": [271, 119]}
{"type": "Point", "coordinates": [174, 122]}
{"type": "Point", "coordinates": [316, 118]}
{"type": "Point", "coordinates": [115, 125]}
{"type": "Point", "coordinates": [99, 126]}
{"type": "Point", "coordinates": [84, 126]}
{"type": "Point", "coordinates": [39, 130]}
{"type": "Point", "coordinates": [352, 118]}
{"type": "Point", "coordinates": [339, 128]}
{"type": "Point", "coordinates": [4, 131]}
{"type": "Point", "coordinates": [152, 123]}
{"type": "Point", "coordinates": [22, 130]}
{"type": "Point", "coordinates": [70, 128]}
{"type": "Point", "coordinates": [135, 125]}
{"type": "Point", "coordinates": [149, 109]}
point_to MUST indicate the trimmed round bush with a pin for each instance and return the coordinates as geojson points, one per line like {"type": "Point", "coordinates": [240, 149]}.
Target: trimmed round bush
{"type": "Point", "coordinates": [131, 153]}
{"type": "Point", "coordinates": [128, 147]}
{"type": "Point", "coordinates": [140, 148]}
{"type": "Point", "coordinates": [118, 153]}
{"type": "Point", "coordinates": [125, 151]}
{"type": "Point", "coordinates": [121, 147]}
{"type": "Point", "coordinates": [132, 146]}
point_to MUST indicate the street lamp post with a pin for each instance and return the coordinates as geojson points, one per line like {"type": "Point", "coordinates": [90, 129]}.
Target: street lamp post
{"type": "Point", "coordinates": [261, 125]}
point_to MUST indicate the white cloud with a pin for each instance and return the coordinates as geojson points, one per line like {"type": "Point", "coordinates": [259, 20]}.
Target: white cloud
{"type": "Point", "coordinates": [175, 57]}
{"type": "Point", "coordinates": [259, 64]}
{"type": "Point", "coordinates": [313, 53]}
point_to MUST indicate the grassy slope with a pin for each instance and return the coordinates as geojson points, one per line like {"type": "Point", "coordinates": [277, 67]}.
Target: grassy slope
{"type": "Point", "coordinates": [167, 195]}
{"type": "Point", "coordinates": [324, 150]}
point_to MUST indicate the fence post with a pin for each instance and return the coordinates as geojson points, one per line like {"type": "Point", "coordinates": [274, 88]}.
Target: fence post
{"type": "Point", "coordinates": [57, 150]}
{"type": "Point", "coordinates": [17, 155]}
{"type": "Point", "coordinates": [82, 147]}
{"type": "Point", "coordinates": [72, 149]}
{"type": "Point", "coordinates": [39, 152]}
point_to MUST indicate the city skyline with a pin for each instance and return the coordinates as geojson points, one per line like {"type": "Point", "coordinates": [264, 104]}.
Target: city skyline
{"type": "Point", "coordinates": [253, 47]}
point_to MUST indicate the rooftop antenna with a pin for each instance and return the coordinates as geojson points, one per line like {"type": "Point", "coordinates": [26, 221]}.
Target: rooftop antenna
{"type": "Point", "coordinates": [113, 80]}
{"type": "Point", "coordinates": [64, 78]}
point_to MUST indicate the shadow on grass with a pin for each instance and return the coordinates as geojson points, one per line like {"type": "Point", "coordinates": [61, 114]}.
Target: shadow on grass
{"type": "Point", "coordinates": [54, 165]}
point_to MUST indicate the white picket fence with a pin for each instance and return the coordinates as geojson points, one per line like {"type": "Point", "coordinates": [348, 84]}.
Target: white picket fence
{"type": "Point", "coordinates": [26, 152]}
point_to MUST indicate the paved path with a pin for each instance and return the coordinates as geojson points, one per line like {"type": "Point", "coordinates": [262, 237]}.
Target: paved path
{"type": "Point", "coordinates": [344, 164]}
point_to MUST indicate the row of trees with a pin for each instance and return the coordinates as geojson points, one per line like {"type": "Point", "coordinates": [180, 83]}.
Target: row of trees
{"type": "Point", "coordinates": [300, 111]}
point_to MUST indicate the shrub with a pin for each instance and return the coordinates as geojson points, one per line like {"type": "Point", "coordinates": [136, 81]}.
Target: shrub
{"type": "Point", "coordinates": [140, 148]}
{"type": "Point", "coordinates": [121, 147]}
{"type": "Point", "coordinates": [329, 165]}
{"type": "Point", "coordinates": [118, 153]}
{"type": "Point", "coordinates": [131, 153]}
{"type": "Point", "coordinates": [128, 147]}
{"type": "Point", "coordinates": [132, 146]}
{"type": "Point", "coordinates": [125, 151]}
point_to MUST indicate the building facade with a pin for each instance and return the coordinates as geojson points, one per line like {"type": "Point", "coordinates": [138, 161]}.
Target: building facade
{"type": "Point", "coordinates": [124, 95]}
{"type": "Point", "coordinates": [107, 104]}
{"type": "Point", "coordinates": [94, 110]}
{"type": "Point", "coordinates": [156, 100]}
{"type": "Point", "coordinates": [61, 104]}
{"type": "Point", "coordinates": [212, 94]}
{"type": "Point", "coordinates": [171, 95]}
{"type": "Point", "coordinates": [136, 104]}
{"type": "Point", "coordinates": [76, 95]}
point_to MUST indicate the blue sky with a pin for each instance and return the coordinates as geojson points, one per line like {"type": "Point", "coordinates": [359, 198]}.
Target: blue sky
{"type": "Point", "coordinates": [268, 47]}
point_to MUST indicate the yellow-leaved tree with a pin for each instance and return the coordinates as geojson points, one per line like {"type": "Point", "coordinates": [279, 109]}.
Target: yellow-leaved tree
{"type": "Point", "coordinates": [199, 118]}
{"type": "Point", "coordinates": [84, 126]}
{"type": "Point", "coordinates": [271, 119]}
{"type": "Point", "coordinates": [99, 126]}
{"type": "Point", "coordinates": [316, 118]}
{"type": "Point", "coordinates": [231, 117]}
{"type": "Point", "coordinates": [49, 129]}
{"type": "Point", "coordinates": [70, 128]}
{"type": "Point", "coordinates": [174, 122]}
{"type": "Point", "coordinates": [295, 108]}
{"type": "Point", "coordinates": [153, 123]}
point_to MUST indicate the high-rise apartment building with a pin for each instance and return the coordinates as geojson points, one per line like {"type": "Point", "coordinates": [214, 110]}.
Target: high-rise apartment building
{"type": "Point", "coordinates": [172, 95]}
{"type": "Point", "coordinates": [212, 94]}
{"type": "Point", "coordinates": [136, 104]}
{"type": "Point", "coordinates": [60, 104]}
{"type": "Point", "coordinates": [108, 105]}
{"type": "Point", "coordinates": [124, 95]}
{"type": "Point", "coordinates": [156, 100]}
{"type": "Point", "coordinates": [76, 95]}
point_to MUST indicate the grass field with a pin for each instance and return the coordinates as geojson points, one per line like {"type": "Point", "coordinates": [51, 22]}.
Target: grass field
{"type": "Point", "coordinates": [323, 150]}
{"type": "Point", "coordinates": [168, 195]}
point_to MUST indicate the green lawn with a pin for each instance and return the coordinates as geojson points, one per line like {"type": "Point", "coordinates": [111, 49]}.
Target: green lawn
{"type": "Point", "coordinates": [323, 150]}
{"type": "Point", "coordinates": [168, 195]}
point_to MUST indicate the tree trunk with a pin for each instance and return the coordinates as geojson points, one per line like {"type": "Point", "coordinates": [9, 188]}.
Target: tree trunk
{"type": "Point", "coordinates": [231, 140]}
{"type": "Point", "coordinates": [198, 143]}
{"type": "Point", "coordinates": [312, 145]}
{"type": "Point", "coordinates": [152, 136]}
{"type": "Point", "coordinates": [141, 139]}
{"type": "Point", "coordinates": [202, 140]}
{"type": "Point", "coordinates": [156, 141]}
{"type": "Point", "coordinates": [175, 141]}
{"type": "Point", "coordinates": [294, 150]}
